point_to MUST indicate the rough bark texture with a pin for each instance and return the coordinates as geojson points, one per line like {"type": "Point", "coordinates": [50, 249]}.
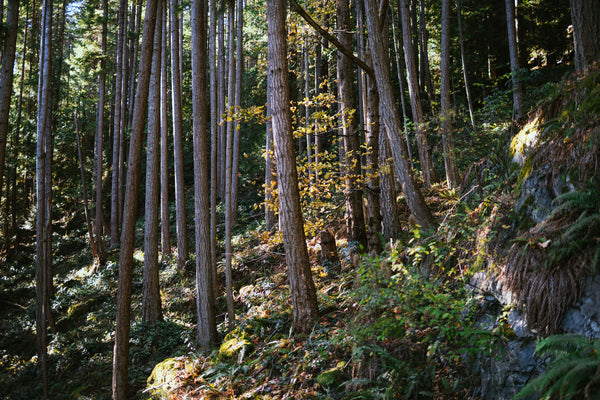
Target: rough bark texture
{"type": "Point", "coordinates": [415, 97]}
{"type": "Point", "coordinates": [212, 60]}
{"type": "Point", "coordinates": [121, 347]}
{"type": "Point", "coordinates": [514, 57]}
{"type": "Point", "coordinates": [302, 288]}
{"type": "Point", "coordinates": [177, 106]}
{"type": "Point", "coordinates": [389, 206]}
{"type": "Point", "coordinates": [446, 110]}
{"type": "Point", "coordinates": [585, 17]}
{"type": "Point", "coordinates": [391, 118]}
{"type": "Point", "coordinates": [239, 69]}
{"type": "Point", "coordinates": [164, 141]}
{"type": "Point", "coordinates": [151, 304]}
{"type": "Point", "coordinates": [6, 78]}
{"type": "Point", "coordinates": [205, 297]}
{"type": "Point", "coordinates": [355, 219]}
{"type": "Point", "coordinates": [269, 172]}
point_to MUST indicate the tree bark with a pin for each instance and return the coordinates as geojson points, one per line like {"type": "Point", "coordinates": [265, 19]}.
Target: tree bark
{"type": "Point", "coordinates": [214, 131]}
{"type": "Point", "coordinates": [177, 106]}
{"type": "Point", "coordinates": [446, 110]}
{"type": "Point", "coordinates": [164, 140]}
{"type": "Point", "coordinates": [415, 98]}
{"type": "Point", "coordinates": [514, 58]}
{"type": "Point", "coordinates": [463, 58]}
{"type": "Point", "coordinates": [391, 118]}
{"type": "Point", "coordinates": [151, 303]}
{"type": "Point", "coordinates": [355, 219]}
{"type": "Point", "coordinates": [6, 79]}
{"type": "Point", "coordinates": [585, 17]}
{"type": "Point", "coordinates": [205, 296]}
{"type": "Point", "coordinates": [121, 348]}
{"type": "Point", "coordinates": [239, 69]}
{"type": "Point", "coordinates": [304, 301]}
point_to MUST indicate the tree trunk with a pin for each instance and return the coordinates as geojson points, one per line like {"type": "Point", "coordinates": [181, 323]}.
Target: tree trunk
{"type": "Point", "coordinates": [151, 303]}
{"type": "Point", "coordinates": [6, 79]}
{"type": "Point", "coordinates": [164, 140]}
{"type": "Point", "coordinates": [100, 135]}
{"type": "Point", "coordinates": [270, 184]}
{"type": "Point", "coordinates": [176, 95]}
{"type": "Point", "coordinates": [214, 131]}
{"type": "Point", "coordinates": [463, 58]}
{"type": "Point", "coordinates": [585, 17]}
{"type": "Point", "coordinates": [424, 69]}
{"type": "Point", "coordinates": [302, 288]}
{"type": "Point", "coordinates": [514, 58]}
{"type": "Point", "coordinates": [228, 162]}
{"type": "Point", "coordinates": [221, 113]}
{"type": "Point", "coordinates": [446, 110]}
{"type": "Point", "coordinates": [389, 206]}
{"type": "Point", "coordinates": [205, 296]}
{"type": "Point", "coordinates": [391, 118]}
{"type": "Point", "coordinates": [355, 219]}
{"type": "Point", "coordinates": [118, 118]}
{"type": "Point", "coordinates": [239, 68]}
{"type": "Point", "coordinates": [43, 251]}
{"type": "Point", "coordinates": [121, 348]}
{"type": "Point", "coordinates": [415, 98]}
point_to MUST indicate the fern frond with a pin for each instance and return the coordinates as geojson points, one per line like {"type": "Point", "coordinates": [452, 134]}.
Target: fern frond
{"type": "Point", "coordinates": [569, 343]}
{"type": "Point", "coordinates": [584, 371]}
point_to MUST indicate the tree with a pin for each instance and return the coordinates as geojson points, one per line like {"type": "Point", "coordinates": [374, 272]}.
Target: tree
{"type": "Point", "coordinates": [164, 141]}
{"type": "Point", "coordinates": [355, 220]}
{"type": "Point", "coordinates": [463, 58]}
{"type": "Point", "coordinates": [304, 300]}
{"type": "Point", "coordinates": [391, 118]}
{"type": "Point", "coordinates": [6, 78]}
{"type": "Point", "coordinates": [205, 296]}
{"type": "Point", "coordinates": [214, 131]}
{"type": "Point", "coordinates": [121, 347]}
{"type": "Point", "coordinates": [151, 304]}
{"type": "Point", "coordinates": [43, 275]}
{"type": "Point", "coordinates": [415, 97]}
{"type": "Point", "coordinates": [585, 17]}
{"type": "Point", "coordinates": [177, 106]}
{"type": "Point", "coordinates": [239, 69]}
{"type": "Point", "coordinates": [514, 58]}
{"type": "Point", "coordinates": [446, 110]}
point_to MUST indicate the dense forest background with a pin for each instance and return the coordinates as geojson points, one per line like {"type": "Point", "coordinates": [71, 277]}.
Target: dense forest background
{"type": "Point", "coordinates": [271, 199]}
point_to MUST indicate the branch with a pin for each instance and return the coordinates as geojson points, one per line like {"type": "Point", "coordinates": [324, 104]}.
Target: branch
{"type": "Point", "coordinates": [331, 39]}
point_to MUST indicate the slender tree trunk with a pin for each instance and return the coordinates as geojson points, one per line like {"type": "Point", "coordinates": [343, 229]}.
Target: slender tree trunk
{"type": "Point", "coordinates": [424, 69]}
{"type": "Point", "coordinates": [585, 17]}
{"type": "Point", "coordinates": [446, 110]}
{"type": "Point", "coordinates": [121, 348]}
{"type": "Point", "coordinates": [389, 206]}
{"type": "Point", "coordinates": [415, 98]}
{"type": "Point", "coordinates": [6, 79]}
{"type": "Point", "coordinates": [118, 125]}
{"type": "Point", "coordinates": [270, 183]}
{"type": "Point", "coordinates": [176, 95]}
{"type": "Point", "coordinates": [239, 69]}
{"type": "Point", "coordinates": [214, 130]}
{"type": "Point", "coordinates": [413, 196]}
{"type": "Point", "coordinates": [86, 208]}
{"type": "Point", "coordinates": [43, 261]}
{"type": "Point", "coordinates": [463, 58]}
{"type": "Point", "coordinates": [151, 303]}
{"type": "Point", "coordinates": [514, 58]}
{"type": "Point", "coordinates": [222, 73]}
{"type": "Point", "coordinates": [355, 219]}
{"type": "Point", "coordinates": [164, 140]}
{"type": "Point", "coordinates": [205, 296]}
{"type": "Point", "coordinates": [309, 156]}
{"type": "Point", "coordinates": [302, 288]}
{"type": "Point", "coordinates": [100, 135]}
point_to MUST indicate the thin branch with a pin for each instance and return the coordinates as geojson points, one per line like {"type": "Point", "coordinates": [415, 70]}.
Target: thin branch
{"type": "Point", "coordinates": [331, 39]}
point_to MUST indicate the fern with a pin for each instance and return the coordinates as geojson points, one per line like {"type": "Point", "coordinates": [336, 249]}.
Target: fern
{"type": "Point", "coordinates": [576, 364]}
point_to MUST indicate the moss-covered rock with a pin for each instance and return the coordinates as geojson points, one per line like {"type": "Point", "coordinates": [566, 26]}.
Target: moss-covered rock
{"type": "Point", "coordinates": [332, 376]}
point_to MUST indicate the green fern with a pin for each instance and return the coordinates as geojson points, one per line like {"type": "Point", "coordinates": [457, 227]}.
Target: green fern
{"type": "Point", "coordinates": [576, 362]}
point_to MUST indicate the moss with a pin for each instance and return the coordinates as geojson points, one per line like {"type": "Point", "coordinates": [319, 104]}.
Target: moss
{"type": "Point", "coordinates": [332, 376]}
{"type": "Point", "coordinates": [163, 378]}
{"type": "Point", "coordinates": [233, 344]}
{"type": "Point", "coordinates": [525, 140]}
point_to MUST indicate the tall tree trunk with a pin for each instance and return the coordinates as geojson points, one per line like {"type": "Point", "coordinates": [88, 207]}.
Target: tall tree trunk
{"type": "Point", "coordinates": [6, 79]}
{"type": "Point", "coordinates": [222, 73]}
{"type": "Point", "coordinates": [176, 95]}
{"type": "Point", "coordinates": [118, 118]}
{"type": "Point", "coordinates": [164, 140]}
{"type": "Point", "coordinates": [239, 69]}
{"type": "Point", "coordinates": [463, 58]}
{"type": "Point", "coordinates": [100, 135]}
{"type": "Point", "coordinates": [214, 131]}
{"type": "Point", "coordinates": [585, 17]}
{"type": "Point", "coordinates": [413, 196]}
{"type": "Point", "coordinates": [355, 219]}
{"type": "Point", "coordinates": [514, 58]}
{"type": "Point", "coordinates": [389, 206]}
{"type": "Point", "coordinates": [121, 348]}
{"type": "Point", "coordinates": [306, 62]}
{"type": "Point", "coordinates": [415, 98]}
{"type": "Point", "coordinates": [446, 110]}
{"type": "Point", "coordinates": [151, 303]}
{"type": "Point", "coordinates": [424, 69]}
{"type": "Point", "coordinates": [228, 162]}
{"type": "Point", "coordinates": [43, 253]}
{"type": "Point", "coordinates": [205, 296]}
{"type": "Point", "coordinates": [304, 300]}
{"type": "Point", "coordinates": [270, 183]}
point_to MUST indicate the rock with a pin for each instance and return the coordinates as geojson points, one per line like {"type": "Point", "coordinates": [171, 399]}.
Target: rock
{"type": "Point", "coordinates": [232, 347]}
{"type": "Point", "coordinates": [583, 318]}
{"type": "Point", "coordinates": [331, 377]}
